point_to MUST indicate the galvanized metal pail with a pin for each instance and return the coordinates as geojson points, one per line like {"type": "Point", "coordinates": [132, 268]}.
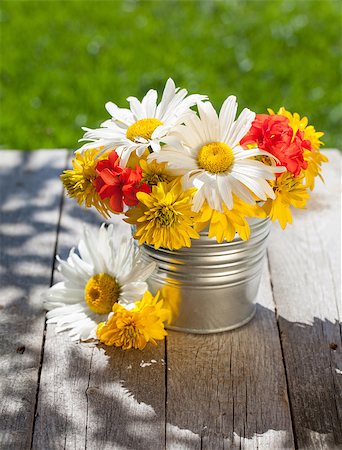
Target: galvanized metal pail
{"type": "Point", "coordinates": [210, 287]}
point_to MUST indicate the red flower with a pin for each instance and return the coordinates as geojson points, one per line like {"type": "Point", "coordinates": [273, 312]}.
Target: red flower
{"type": "Point", "coordinates": [274, 134]}
{"type": "Point", "coordinates": [120, 184]}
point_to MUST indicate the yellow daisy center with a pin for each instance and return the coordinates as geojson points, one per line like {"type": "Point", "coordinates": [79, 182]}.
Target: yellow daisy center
{"type": "Point", "coordinates": [215, 157]}
{"type": "Point", "coordinates": [101, 292]}
{"type": "Point", "coordinates": [143, 128]}
{"type": "Point", "coordinates": [166, 216]}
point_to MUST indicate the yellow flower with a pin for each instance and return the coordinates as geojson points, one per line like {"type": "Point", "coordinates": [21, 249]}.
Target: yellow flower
{"type": "Point", "coordinates": [224, 225]}
{"type": "Point", "coordinates": [158, 302]}
{"type": "Point", "coordinates": [134, 160]}
{"type": "Point", "coordinates": [313, 136]}
{"type": "Point", "coordinates": [154, 173]}
{"type": "Point", "coordinates": [136, 327]}
{"type": "Point", "coordinates": [314, 158]}
{"type": "Point", "coordinates": [164, 217]}
{"type": "Point", "coordinates": [290, 191]}
{"type": "Point", "coordinates": [79, 181]}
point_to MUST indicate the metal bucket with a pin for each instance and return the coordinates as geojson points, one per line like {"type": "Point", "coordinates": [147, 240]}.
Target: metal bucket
{"type": "Point", "coordinates": [210, 287]}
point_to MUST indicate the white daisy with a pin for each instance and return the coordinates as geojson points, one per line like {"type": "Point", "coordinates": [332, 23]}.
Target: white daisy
{"type": "Point", "coordinates": [143, 125]}
{"type": "Point", "coordinates": [206, 151]}
{"type": "Point", "coordinates": [107, 270]}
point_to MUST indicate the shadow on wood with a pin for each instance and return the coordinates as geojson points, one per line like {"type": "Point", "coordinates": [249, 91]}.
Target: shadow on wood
{"type": "Point", "coordinates": [29, 212]}
{"type": "Point", "coordinates": [214, 390]}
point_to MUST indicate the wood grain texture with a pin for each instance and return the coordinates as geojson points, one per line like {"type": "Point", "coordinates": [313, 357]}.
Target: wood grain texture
{"type": "Point", "coordinates": [306, 269]}
{"type": "Point", "coordinates": [228, 390]}
{"type": "Point", "coordinates": [92, 397]}
{"type": "Point", "coordinates": [223, 391]}
{"type": "Point", "coordinates": [29, 212]}
{"type": "Point", "coordinates": [126, 399]}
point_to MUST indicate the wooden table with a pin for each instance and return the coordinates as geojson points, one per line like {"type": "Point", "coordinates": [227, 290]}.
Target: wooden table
{"type": "Point", "coordinates": [273, 384]}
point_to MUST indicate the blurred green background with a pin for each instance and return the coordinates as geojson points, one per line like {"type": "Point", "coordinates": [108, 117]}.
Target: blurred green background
{"type": "Point", "coordinates": [61, 61]}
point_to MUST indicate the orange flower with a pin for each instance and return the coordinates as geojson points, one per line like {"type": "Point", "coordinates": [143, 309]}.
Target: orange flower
{"type": "Point", "coordinates": [275, 135]}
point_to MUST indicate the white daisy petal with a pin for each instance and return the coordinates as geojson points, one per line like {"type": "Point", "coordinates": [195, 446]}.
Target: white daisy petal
{"type": "Point", "coordinates": [213, 197]}
{"type": "Point", "coordinates": [136, 108]}
{"type": "Point", "coordinates": [155, 146]}
{"type": "Point", "coordinates": [132, 292]}
{"type": "Point", "coordinates": [172, 141]}
{"type": "Point", "coordinates": [240, 191]}
{"type": "Point", "coordinates": [140, 272]}
{"type": "Point", "coordinates": [189, 137]}
{"type": "Point", "coordinates": [227, 116]}
{"type": "Point", "coordinates": [241, 153]}
{"type": "Point", "coordinates": [175, 160]}
{"type": "Point", "coordinates": [168, 94]}
{"type": "Point", "coordinates": [193, 127]}
{"type": "Point", "coordinates": [198, 200]}
{"type": "Point", "coordinates": [209, 121]}
{"type": "Point", "coordinates": [121, 115]}
{"type": "Point", "coordinates": [253, 184]}
{"type": "Point", "coordinates": [67, 310]}
{"type": "Point", "coordinates": [248, 168]}
{"type": "Point", "coordinates": [149, 103]}
{"type": "Point", "coordinates": [225, 190]}
{"type": "Point", "coordinates": [240, 127]}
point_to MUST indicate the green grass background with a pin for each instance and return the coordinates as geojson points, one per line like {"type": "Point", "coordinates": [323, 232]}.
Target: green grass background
{"type": "Point", "coordinates": [61, 61]}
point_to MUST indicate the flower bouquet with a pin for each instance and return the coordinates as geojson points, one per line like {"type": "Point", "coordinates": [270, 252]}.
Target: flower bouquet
{"type": "Point", "coordinates": [199, 189]}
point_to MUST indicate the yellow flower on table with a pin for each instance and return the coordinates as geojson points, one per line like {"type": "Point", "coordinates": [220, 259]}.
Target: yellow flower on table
{"type": "Point", "coordinates": [164, 217]}
{"type": "Point", "coordinates": [290, 191]}
{"type": "Point", "coordinates": [136, 327]}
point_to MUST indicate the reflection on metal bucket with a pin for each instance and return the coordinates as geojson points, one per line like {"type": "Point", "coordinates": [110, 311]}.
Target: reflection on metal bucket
{"type": "Point", "coordinates": [210, 287]}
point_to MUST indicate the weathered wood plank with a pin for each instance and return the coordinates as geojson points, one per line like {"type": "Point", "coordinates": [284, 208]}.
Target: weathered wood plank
{"type": "Point", "coordinates": [306, 268]}
{"type": "Point", "coordinates": [229, 390]}
{"type": "Point", "coordinates": [29, 212]}
{"type": "Point", "coordinates": [97, 398]}
{"type": "Point", "coordinates": [126, 399]}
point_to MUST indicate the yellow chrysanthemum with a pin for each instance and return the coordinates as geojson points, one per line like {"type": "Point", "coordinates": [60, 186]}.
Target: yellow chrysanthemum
{"type": "Point", "coordinates": [314, 157]}
{"type": "Point", "coordinates": [164, 217]}
{"type": "Point", "coordinates": [79, 181]}
{"type": "Point", "coordinates": [136, 327]}
{"type": "Point", "coordinates": [224, 225]}
{"type": "Point", "coordinates": [301, 124]}
{"type": "Point", "coordinates": [295, 121]}
{"type": "Point", "coordinates": [154, 173]}
{"type": "Point", "coordinates": [162, 309]}
{"type": "Point", "coordinates": [290, 191]}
